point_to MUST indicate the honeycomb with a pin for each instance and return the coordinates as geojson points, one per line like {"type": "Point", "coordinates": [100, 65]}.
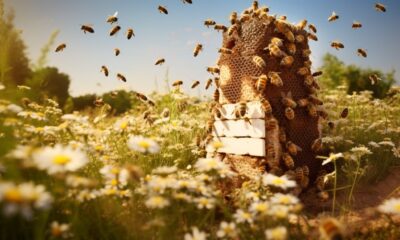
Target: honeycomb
{"type": "Point", "coordinates": [239, 73]}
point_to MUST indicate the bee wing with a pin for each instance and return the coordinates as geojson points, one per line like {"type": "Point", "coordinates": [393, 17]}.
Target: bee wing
{"type": "Point", "coordinates": [115, 14]}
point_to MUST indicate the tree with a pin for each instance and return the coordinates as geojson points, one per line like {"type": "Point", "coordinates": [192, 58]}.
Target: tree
{"type": "Point", "coordinates": [333, 70]}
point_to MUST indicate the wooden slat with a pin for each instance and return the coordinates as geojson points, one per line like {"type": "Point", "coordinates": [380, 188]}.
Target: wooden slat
{"type": "Point", "coordinates": [240, 146]}
{"type": "Point", "coordinates": [254, 110]}
{"type": "Point", "coordinates": [254, 128]}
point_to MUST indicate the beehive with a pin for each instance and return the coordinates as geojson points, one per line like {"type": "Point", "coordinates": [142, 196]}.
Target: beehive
{"type": "Point", "coordinates": [252, 48]}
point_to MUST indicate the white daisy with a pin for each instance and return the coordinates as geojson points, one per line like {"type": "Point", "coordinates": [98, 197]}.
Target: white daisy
{"type": "Point", "coordinates": [157, 202]}
{"type": "Point", "coordinates": [390, 206]}
{"type": "Point", "coordinates": [196, 235]}
{"type": "Point", "coordinates": [144, 145]}
{"type": "Point", "coordinates": [227, 230]}
{"type": "Point", "coordinates": [285, 199]}
{"type": "Point", "coordinates": [280, 182]}
{"type": "Point", "coordinates": [277, 233]}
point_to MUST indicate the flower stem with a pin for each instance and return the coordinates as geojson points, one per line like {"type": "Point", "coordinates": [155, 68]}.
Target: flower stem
{"type": "Point", "coordinates": [334, 189]}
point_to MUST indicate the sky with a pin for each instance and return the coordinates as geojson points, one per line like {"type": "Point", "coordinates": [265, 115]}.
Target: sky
{"type": "Point", "coordinates": [174, 36]}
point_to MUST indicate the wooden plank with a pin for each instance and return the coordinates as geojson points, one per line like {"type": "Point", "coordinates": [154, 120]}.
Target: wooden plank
{"type": "Point", "coordinates": [254, 128]}
{"type": "Point", "coordinates": [239, 146]}
{"type": "Point", "coordinates": [254, 110]}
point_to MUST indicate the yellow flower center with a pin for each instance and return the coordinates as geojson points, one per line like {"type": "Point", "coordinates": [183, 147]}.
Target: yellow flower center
{"type": "Point", "coordinates": [144, 144]}
{"type": "Point", "coordinates": [123, 125]}
{"type": "Point", "coordinates": [278, 181]}
{"type": "Point", "coordinates": [397, 207]}
{"type": "Point", "coordinates": [212, 164]}
{"type": "Point", "coordinates": [218, 144]}
{"type": "Point", "coordinates": [285, 200]}
{"type": "Point", "coordinates": [114, 182]}
{"type": "Point", "coordinates": [13, 195]}
{"type": "Point", "coordinates": [61, 159]}
{"type": "Point", "coordinates": [261, 208]}
{"type": "Point", "coordinates": [115, 171]}
{"type": "Point", "coordinates": [111, 191]}
{"type": "Point", "coordinates": [157, 200]}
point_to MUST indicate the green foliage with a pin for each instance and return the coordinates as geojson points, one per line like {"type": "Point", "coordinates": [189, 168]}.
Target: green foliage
{"type": "Point", "coordinates": [356, 79]}
{"type": "Point", "coordinates": [84, 101]}
{"type": "Point", "coordinates": [120, 103]}
{"type": "Point", "coordinates": [42, 61]}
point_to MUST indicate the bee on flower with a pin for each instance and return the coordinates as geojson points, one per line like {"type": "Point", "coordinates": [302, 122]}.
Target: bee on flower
{"type": "Point", "coordinates": [143, 145]}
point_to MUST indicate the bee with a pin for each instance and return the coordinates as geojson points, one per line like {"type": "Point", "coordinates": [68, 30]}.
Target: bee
{"type": "Point", "coordinates": [290, 36]}
{"type": "Point", "coordinates": [104, 69]}
{"type": "Point", "coordinates": [312, 110]}
{"type": "Point", "coordinates": [275, 51]}
{"type": "Point", "coordinates": [177, 83]}
{"type": "Point", "coordinates": [317, 74]}
{"type": "Point", "coordinates": [87, 28]}
{"type": "Point", "coordinates": [160, 61]}
{"type": "Point", "coordinates": [282, 135]}
{"type": "Point", "coordinates": [362, 52]}
{"type": "Point", "coordinates": [259, 62]}
{"type": "Point", "coordinates": [374, 78]}
{"type": "Point", "coordinates": [213, 70]}
{"type": "Point", "coordinates": [315, 100]}
{"type": "Point", "coordinates": [266, 106]}
{"type": "Point", "coordinates": [141, 96]}
{"type": "Point", "coordinates": [209, 22]}
{"type": "Point", "coordinates": [112, 19]}
{"type": "Point", "coordinates": [233, 18]}
{"type": "Point", "coordinates": [287, 61]}
{"type": "Point", "coordinates": [146, 114]}
{"type": "Point", "coordinates": [277, 41]}
{"type": "Point", "coordinates": [61, 47]}
{"type": "Point", "coordinates": [162, 9]}
{"type": "Point", "coordinates": [305, 182]}
{"type": "Point", "coordinates": [121, 77]}
{"type": "Point", "coordinates": [271, 155]}
{"type": "Point", "coordinates": [287, 100]}
{"type": "Point", "coordinates": [306, 170]}
{"type": "Point", "coordinates": [98, 102]}
{"type": "Point", "coordinates": [312, 28]}
{"type": "Point", "coordinates": [245, 17]}
{"type": "Point", "coordinates": [291, 47]}
{"type": "Point", "coordinates": [380, 7]}
{"type": "Point", "coordinates": [299, 174]}
{"type": "Point", "coordinates": [187, 1]}
{"type": "Point", "coordinates": [225, 51]}
{"type": "Point", "coordinates": [216, 81]}
{"type": "Point", "coordinates": [330, 228]}
{"type": "Point", "coordinates": [216, 95]}
{"type": "Point", "coordinates": [210, 125]}
{"type": "Point", "coordinates": [292, 148]}
{"type": "Point", "coordinates": [129, 33]}
{"type": "Point", "coordinates": [288, 160]}
{"type": "Point", "coordinates": [232, 29]}
{"type": "Point", "coordinates": [302, 24]}
{"type": "Point", "coordinates": [283, 18]}
{"type": "Point", "coordinates": [208, 83]}
{"type": "Point", "coordinates": [316, 146]}
{"type": "Point", "coordinates": [114, 94]}
{"type": "Point", "coordinates": [344, 113]}
{"type": "Point", "coordinates": [220, 27]}
{"type": "Point", "coordinates": [195, 84]}
{"type": "Point", "coordinates": [275, 79]}
{"type": "Point", "coordinates": [300, 38]}
{"type": "Point", "coordinates": [303, 71]}
{"type": "Point", "coordinates": [117, 51]}
{"type": "Point", "coordinates": [356, 25]}
{"type": "Point", "coordinates": [255, 5]}
{"type": "Point", "coordinates": [114, 30]}
{"type": "Point", "coordinates": [217, 112]}
{"type": "Point", "coordinates": [303, 102]}
{"type": "Point", "coordinates": [289, 113]}
{"type": "Point", "coordinates": [282, 26]}
{"type": "Point", "coordinates": [271, 124]}
{"type": "Point", "coordinates": [337, 45]}
{"type": "Point", "coordinates": [333, 17]}
{"type": "Point", "coordinates": [320, 183]}
{"type": "Point", "coordinates": [309, 80]}
{"type": "Point", "coordinates": [197, 50]}
{"type": "Point", "coordinates": [261, 83]}
{"type": "Point", "coordinates": [307, 63]}
{"type": "Point", "coordinates": [312, 37]}
{"type": "Point", "coordinates": [165, 113]}
{"type": "Point", "coordinates": [241, 109]}
{"type": "Point", "coordinates": [306, 53]}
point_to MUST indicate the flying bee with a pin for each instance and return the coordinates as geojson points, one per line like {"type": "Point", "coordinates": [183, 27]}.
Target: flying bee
{"type": "Point", "coordinates": [104, 69]}
{"type": "Point", "coordinates": [112, 19]}
{"type": "Point", "coordinates": [303, 102]}
{"type": "Point", "coordinates": [300, 38]}
{"type": "Point", "coordinates": [121, 77]}
{"type": "Point", "coordinates": [309, 80]}
{"type": "Point", "coordinates": [380, 7]}
{"type": "Point", "coordinates": [306, 170]}
{"type": "Point", "coordinates": [289, 113]}
{"type": "Point", "coordinates": [333, 17]}
{"type": "Point", "coordinates": [232, 29]}
{"type": "Point", "coordinates": [317, 74]}
{"type": "Point", "coordinates": [255, 5]}
{"type": "Point", "coordinates": [312, 36]}
{"type": "Point", "coordinates": [225, 51]}
{"type": "Point", "coordinates": [299, 173]}
{"type": "Point", "coordinates": [288, 160]}
{"type": "Point", "coordinates": [160, 61]}
{"type": "Point", "coordinates": [282, 135]}
{"type": "Point", "coordinates": [277, 41]}
{"type": "Point", "coordinates": [316, 146]}
{"type": "Point", "coordinates": [261, 83]}
{"type": "Point", "coordinates": [197, 49]}
{"type": "Point", "coordinates": [356, 25]}
{"type": "Point", "coordinates": [275, 51]}
{"type": "Point", "coordinates": [312, 110]}
{"type": "Point", "coordinates": [290, 36]}
{"type": "Point", "coordinates": [292, 148]}
{"type": "Point", "coordinates": [177, 83]}
{"type": "Point", "coordinates": [344, 113]}
{"type": "Point", "coordinates": [291, 47]}
{"type": "Point", "coordinates": [216, 81]}
{"type": "Point", "coordinates": [362, 52]}
{"type": "Point", "coordinates": [337, 45]}
{"type": "Point", "coordinates": [187, 1]}
{"type": "Point", "coordinates": [162, 9]}
{"type": "Point", "coordinates": [98, 102]}
{"type": "Point", "coordinates": [87, 28]}
{"type": "Point", "coordinates": [61, 47]}
{"type": "Point", "coordinates": [213, 70]}
{"type": "Point", "coordinates": [233, 17]}
{"type": "Point", "coordinates": [374, 78]}
{"type": "Point", "coordinates": [287, 61]}
{"type": "Point", "coordinates": [331, 228]}
{"type": "Point", "coordinates": [216, 95]}
{"type": "Point", "coordinates": [287, 100]}
{"type": "Point", "coordinates": [129, 33]}
{"type": "Point", "coordinates": [114, 30]}
{"type": "Point", "coordinates": [271, 124]}
{"type": "Point", "coordinates": [208, 83]}
{"type": "Point", "coordinates": [275, 79]}
{"type": "Point", "coordinates": [306, 53]}
{"type": "Point", "coordinates": [302, 24]}
{"type": "Point", "coordinates": [303, 71]}
{"type": "Point", "coordinates": [266, 106]}
{"type": "Point", "coordinates": [165, 113]}
{"type": "Point", "coordinates": [220, 27]}
{"type": "Point", "coordinates": [259, 62]}
{"type": "Point", "coordinates": [195, 84]}
{"type": "Point", "coordinates": [141, 96]}
{"type": "Point", "coordinates": [117, 51]}
{"type": "Point", "coordinates": [312, 28]}
{"type": "Point", "coordinates": [209, 22]}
